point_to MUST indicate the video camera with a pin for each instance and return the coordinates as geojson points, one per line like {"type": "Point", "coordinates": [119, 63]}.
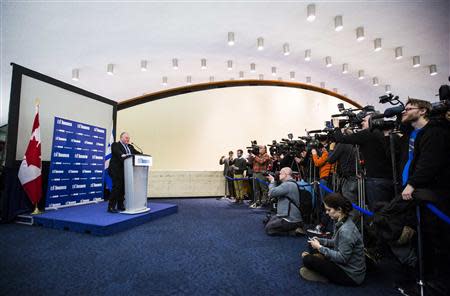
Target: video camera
{"type": "Point", "coordinates": [350, 117]}
{"type": "Point", "coordinates": [254, 148]}
{"type": "Point", "coordinates": [439, 109]}
{"type": "Point", "coordinates": [287, 147]}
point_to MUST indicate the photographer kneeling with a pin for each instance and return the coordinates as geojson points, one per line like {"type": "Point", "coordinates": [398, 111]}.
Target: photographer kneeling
{"type": "Point", "coordinates": [341, 258]}
{"type": "Point", "coordinates": [288, 217]}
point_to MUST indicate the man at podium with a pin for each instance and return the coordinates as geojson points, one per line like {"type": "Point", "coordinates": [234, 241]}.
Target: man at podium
{"type": "Point", "coordinates": [119, 151]}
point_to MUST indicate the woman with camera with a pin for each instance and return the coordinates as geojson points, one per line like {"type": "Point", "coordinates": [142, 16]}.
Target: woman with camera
{"type": "Point", "coordinates": [340, 259]}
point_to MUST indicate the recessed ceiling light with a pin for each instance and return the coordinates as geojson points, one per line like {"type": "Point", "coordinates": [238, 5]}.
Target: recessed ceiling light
{"type": "Point", "coordinates": [311, 12]}
{"type": "Point", "coordinates": [110, 69]}
{"type": "Point", "coordinates": [203, 64]}
{"type": "Point", "coordinates": [335, 90]}
{"type": "Point", "coordinates": [308, 79]}
{"type": "Point", "coordinates": [377, 44]}
{"type": "Point", "coordinates": [189, 79]}
{"type": "Point", "coordinates": [328, 62]}
{"type": "Point", "coordinates": [398, 53]}
{"type": "Point", "coordinates": [344, 68]}
{"type": "Point", "coordinates": [433, 70]}
{"type": "Point", "coordinates": [387, 89]}
{"type": "Point", "coordinates": [230, 38]}
{"type": "Point", "coordinates": [360, 34]}
{"type": "Point", "coordinates": [252, 67]}
{"type": "Point", "coordinates": [241, 75]}
{"type": "Point", "coordinates": [175, 64]}
{"type": "Point", "coordinates": [416, 61]}
{"type": "Point", "coordinates": [322, 84]}
{"type": "Point", "coordinates": [292, 75]}
{"type": "Point", "coordinates": [308, 55]}
{"type": "Point", "coordinates": [338, 23]}
{"type": "Point", "coordinates": [286, 50]}
{"type": "Point", "coordinates": [211, 78]}
{"type": "Point", "coordinates": [144, 64]}
{"type": "Point", "coordinates": [280, 78]}
{"type": "Point", "coordinates": [375, 81]}
{"type": "Point", "coordinates": [75, 74]}
{"type": "Point", "coordinates": [361, 74]}
{"type": "Point", "coordinates": [261, 76]}
{"type": "Point", "coordinates": [260, 43]}
{"type": "Point", "coordinates": [230, 65]}
{"type": "Point", "coordinates": [164, 80]}
{"type": "Point", "coordinates": [274, 71]}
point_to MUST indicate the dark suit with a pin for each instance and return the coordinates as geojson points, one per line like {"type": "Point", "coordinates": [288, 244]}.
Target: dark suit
{"type": "Point", "coordinates": [116, 172]}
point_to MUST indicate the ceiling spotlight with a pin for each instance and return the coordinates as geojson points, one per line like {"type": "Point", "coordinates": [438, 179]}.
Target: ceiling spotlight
{"type": "Point", "coordinates": [387, 89]}
{"type": "Point", "coordinates": [280, 78]}
{"type": "Point", "coordinates": [433, 70]}
{"type": "Point", "coordinates": [360, 34]}
{"type": "Point", "coordinates": [361, 74]}
{"type": "Point", "coordinates": [164, 80]}
{"type": "Point", "coordinates": [175, 64]}
{"type": "Point", "coordinates": [231, 78]}
{"type": "Point", "coordinates": [110, 69]}
{"type": "Point", "coordinates": [377, 44]}
{"type": "Point", "coordinates": [311, 12]}
{"type": "Point", "coordinates": [335, 90]}
{"type": "Point", "coordinates": [375, 81]}
{"type": "Point", "coordinates": [328, 62]}
{"type": "Point", "coordinates": [230, 38]}
{"type": "Point", "coordinates": [416, 61]}
{"type": "Point", "coordinates": [292, 75]}
{"type": "Point", "coordinates": [189, 79]}
{"type": "Point", "coordinates": [308, 55]}
{"type": "Point", "coordinates": [241, 75]}
{"type": "Point", "coordinates": [261, 77]}
{"type": "Point", "coordinates": [75, 74]}
{"type": "Point", "coordinates": [274, 71]}
{"type": "Point", "coordinates": [260, 43]}
{"type": "Point", "coordinates": [344, 68]}
{"type": "Point", "coordinates": [398, 53]}
{"type": "Point", "coordinates": [252, 67]}
{"type": "Point", "coordinates": [144, 64]}
{"type": "Point", "coordinates": [308, 79]}
{"type": "Point", "coordinates": [338, 24]}
{"type": "Point", "coordinates": [286, 50]}
{"type": "Point", "coordinates": [203, 64]}
{"type": "Point", "coordinates": [230, 65]}
{"type": "Point", "coordinates": [211, 78]}
{"type": "Point", "coordinates": [322, 84]}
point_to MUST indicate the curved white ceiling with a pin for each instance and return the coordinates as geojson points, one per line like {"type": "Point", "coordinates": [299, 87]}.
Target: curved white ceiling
{"type": "Point", "coordinates": [54, 38]}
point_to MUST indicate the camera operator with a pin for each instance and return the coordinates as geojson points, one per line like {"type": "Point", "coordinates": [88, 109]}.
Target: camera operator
{"type": "Point", "coordinates": [345, 157]}
{"type": "Point", "coordinates": [378, 182]}
{"type": "Point", "coordinates": [300, 164]}
{"type": "Point", "coordinates": [260, 165]}
{"type": "Point", "coordinates": [228, 172]}
{"type": "Point", "coordinates": [288, 217]}
{"type": "Point", "coordinates": [320, 161]}
{"type": "Point", "coordinates": [425, 167]}
{"type": "Point", "coordinates": [239, 166]}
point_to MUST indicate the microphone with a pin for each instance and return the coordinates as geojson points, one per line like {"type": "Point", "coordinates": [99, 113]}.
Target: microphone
{"type": "Point", "coordinates": [140, 150]}
{"type": "Point", "coordinates": [390, 112]}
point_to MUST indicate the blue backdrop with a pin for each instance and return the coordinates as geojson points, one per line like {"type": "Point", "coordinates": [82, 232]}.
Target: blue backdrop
{"type": "Point", "coordinates": [77, 162]}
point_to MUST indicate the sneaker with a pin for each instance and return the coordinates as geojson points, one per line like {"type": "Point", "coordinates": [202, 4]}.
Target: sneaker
{"type": "Point", "coordinates": [300, 231]}
{"type": "Point", "coordinates": [312, 276]}
{"type": "Point", "coordinates": [253, 205]}
{"type": "Point", "coordinates": [318, 231]}
{"type": "Point", "coordinates": [303, 254]}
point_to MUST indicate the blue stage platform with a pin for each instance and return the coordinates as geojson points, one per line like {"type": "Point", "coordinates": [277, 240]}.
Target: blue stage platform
{"type": "Point", "coordinates": [94, 219]}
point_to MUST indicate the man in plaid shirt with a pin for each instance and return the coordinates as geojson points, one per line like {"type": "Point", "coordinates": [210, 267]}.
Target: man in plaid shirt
{"type": "Point", "coordinates": [260, 164]}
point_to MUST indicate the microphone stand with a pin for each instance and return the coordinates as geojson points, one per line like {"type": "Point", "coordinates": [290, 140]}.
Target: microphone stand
{"type": "Point", "coordinates": [140, 150]}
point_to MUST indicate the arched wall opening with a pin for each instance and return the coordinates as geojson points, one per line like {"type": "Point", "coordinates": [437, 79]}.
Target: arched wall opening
{"type": "Point", "coordinates": [190, 129]}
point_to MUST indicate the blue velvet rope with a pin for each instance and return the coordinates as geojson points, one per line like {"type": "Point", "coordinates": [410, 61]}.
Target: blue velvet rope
{"type": "Point", "coordinates": [438, 213]}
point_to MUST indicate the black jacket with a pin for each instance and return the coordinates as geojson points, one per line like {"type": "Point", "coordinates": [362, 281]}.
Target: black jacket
{"type": "Point", "coordinates": [345, 155]}
{"type": "Point", "coordinates": [116, 162]}
{"type": "Point", "coordinates": [430, 166]}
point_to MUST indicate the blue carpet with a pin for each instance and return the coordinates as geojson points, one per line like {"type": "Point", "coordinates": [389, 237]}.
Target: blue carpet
{"type": "Point", "coordinates": [94, 219]}
{"type": "Point", "coordinates": [209, 247]}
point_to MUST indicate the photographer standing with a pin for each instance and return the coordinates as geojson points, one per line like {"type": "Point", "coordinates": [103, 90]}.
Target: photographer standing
{"type": "Point", "coordinates": [378, 182]}
{"type": "Point", "coordinates": [288, 217]}
{"type": "Point", "coordinates": [260, 165]}
{"type": "Point", "coordinates": [228, 172]}
{"type": "Point", "coordinates": [425, 167]}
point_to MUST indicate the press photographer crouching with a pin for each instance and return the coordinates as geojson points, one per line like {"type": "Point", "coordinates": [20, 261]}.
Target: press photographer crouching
{"type": "Point", "coordinates": [288, 219]}
{"type": "Point", "coordinates": [341, 258]}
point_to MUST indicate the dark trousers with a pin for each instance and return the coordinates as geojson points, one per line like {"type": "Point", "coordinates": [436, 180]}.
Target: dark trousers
{"type": "Point", "coordinates": [328, 269]}
{"type": "Point", "coordinates": [118, 190]}
{"type": "Point", "coordinates": [279, 226]}
{"type": "Point", "coordinates": [378, 190]}
{"type": "Point", "coordinates": [230, 187]}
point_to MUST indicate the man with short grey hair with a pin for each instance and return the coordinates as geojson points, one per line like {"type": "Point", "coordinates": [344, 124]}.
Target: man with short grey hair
{"type": "Point", "coordinates": [288, 217]}
{"type": "Point", "coordinates": [119, 151]}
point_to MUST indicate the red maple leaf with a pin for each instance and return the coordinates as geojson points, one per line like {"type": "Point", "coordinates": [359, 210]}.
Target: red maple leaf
{"type": "Point", "coordinates": [33, 153]}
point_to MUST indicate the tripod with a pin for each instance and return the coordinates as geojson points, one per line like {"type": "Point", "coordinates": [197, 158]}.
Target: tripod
{"type": "Point", "coordinates": [360, 175]}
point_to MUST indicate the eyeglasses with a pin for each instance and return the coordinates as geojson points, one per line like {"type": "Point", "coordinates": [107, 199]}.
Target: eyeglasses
{"type": "Point", "coordinates": [407, 109]}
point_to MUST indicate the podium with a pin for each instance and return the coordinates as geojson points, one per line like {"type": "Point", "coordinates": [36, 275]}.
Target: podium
{"type": "Point", "coordinates": [136, 169]}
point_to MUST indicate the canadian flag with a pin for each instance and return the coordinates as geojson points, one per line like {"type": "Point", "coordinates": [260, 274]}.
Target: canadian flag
{"type": "Point", "coordinates": [30, 170]}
